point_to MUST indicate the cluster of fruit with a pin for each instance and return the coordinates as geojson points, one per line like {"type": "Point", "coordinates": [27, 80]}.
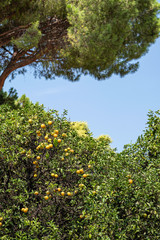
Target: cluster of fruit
{"type": "Point", "coordinates": [46, 144]}
{"type": "Point", "coordinates": [25, 210]}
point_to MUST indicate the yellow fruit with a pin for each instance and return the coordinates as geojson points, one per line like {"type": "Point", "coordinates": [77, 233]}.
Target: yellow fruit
{"type": "Point", "coordinates": [52, 174]}
{"type": "Point", "coordinates": [55, 135]}
{"type": "Point", "coordinates": [81, 171]}
{"type": "Point", "coordinates": [43, 125]}
{"type": "Point", "coordinates": [81, 216]}
{"type": "Point", "coordinates": [69, 193]}
{"type": "Point", "coordinates": [85, 175]}
{"type": "Point", "coordinates": [38, 132]}
{"type": "Point", "coordinates": [81, 185]}
{"type": "Point", "coordinates": [35, 175]}
{"type": "Point", "coordinates": [47, 147]}
{"type": "Point", "coordinates": [62, 158]}
{"type": "Point", "coordinates": [94, 192]}
{"type": "Point", "coordinates": [1, 219]}
{"type": "Point", "coordinates": [56, 175]}
{"type": "Point", "coordinates": [75, 192]}
{"type": "Point", "coordinates": [89, 166]}
{"type": "Point", "coordinates": [25, 210]}
{"type": "Point", "coordinates": [38, 158]}
{"type": "Point", "coordinates": [56, 131]}
{"type": "Point", "coordinates": [66, 154]}
{"type": "Point", "coordinates": [68, 148]}
{"type": "Point", "coordinates": [46, 137]}
{"type": "Point", "coordinates": [50, 122]}
{"type": "Point", "coordinates": [35, 162]}
{"type": "Point", "coordinates": [0, 224]}
{"type": "Point", "coordinates": [130, 181]}
{"type": "Point", "coordinates": [59, 140]}
{"type": "Point", "coordinates": [72, 151]}
{"type": "Point", "coordinates": [49, 140]}
{"type": "Point", "coordinates": [46, 197]}
{"type": "Point", "coordinates": [64, 135]}
{"type": "Point", "coordinates": [36, 193]}
{"type": "Point", "coordinates": [59, 189]}
{"type": "Point", "coordinates": [78, 172]}
{"type": "Point", "coordinates": [50, 145]}
{"type": "Point", "coordinates": [65, 149]}
{"type": "Point", "coordinates": [62, 193]}
{"type": "Point", "coordinates": [47, 192]}
{"type": "Point", "coordinates": [50, 196]}
{"type": "Point", "coordinates": [30, 120]}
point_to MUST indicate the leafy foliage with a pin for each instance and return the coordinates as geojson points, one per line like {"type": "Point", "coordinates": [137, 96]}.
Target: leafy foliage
{"type": "Point", "coordinates": [30, 38]}
{"type": "Point", "coordinates": [70, 38]}
{"type": "Point", "coordinates": [107, 35]}
{"type": "Point", "coordinates": [56, 184]}
{"type": "Point", "coordinates": [104, 138]}
{"type": "Point", "coordinates": [8, 98]}
{"type": "Point", "coordinates": [81, 128]}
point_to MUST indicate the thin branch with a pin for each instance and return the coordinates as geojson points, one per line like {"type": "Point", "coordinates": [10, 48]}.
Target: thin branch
{"type": "Point", "coordinates": [7, 50]}
{"type": "Point", "coordinates": [15, 29]}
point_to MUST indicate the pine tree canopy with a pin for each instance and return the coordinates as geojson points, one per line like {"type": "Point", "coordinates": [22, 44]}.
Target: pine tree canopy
{"type": "Point", "coordinates": [69, 37]}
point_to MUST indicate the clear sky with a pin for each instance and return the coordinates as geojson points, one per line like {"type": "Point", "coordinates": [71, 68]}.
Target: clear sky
{"type": "Point", "coordinates": [116, 106]}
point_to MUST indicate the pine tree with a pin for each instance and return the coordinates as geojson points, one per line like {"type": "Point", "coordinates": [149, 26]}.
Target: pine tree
{"type": "Point", "coordinates": [68, 37]}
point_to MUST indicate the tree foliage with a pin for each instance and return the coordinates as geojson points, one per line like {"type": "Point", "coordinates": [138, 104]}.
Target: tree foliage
{"type": "Point", "coordinates": [81, 128]}
{"type": "Point", "coordinates": [68, 37]}
{"type": "Point", "coordinates": [9, 98]}
{"type": "Point", "coordinates": [56, 184]}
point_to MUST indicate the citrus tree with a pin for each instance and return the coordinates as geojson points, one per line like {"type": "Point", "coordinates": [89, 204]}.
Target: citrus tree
{"type": "Point", "coordinates": [50, 176]}
{"type": "Point", "coordinates": [57, 184]}
{"type": "Point", "coordinates": [140, 163]}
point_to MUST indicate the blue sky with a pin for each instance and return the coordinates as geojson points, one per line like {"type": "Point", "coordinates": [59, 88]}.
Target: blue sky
{"type": "Point", "coordinates": [116, 106]}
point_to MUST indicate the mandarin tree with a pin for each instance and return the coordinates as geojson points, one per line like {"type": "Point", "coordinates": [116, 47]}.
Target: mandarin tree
{"type": "Point", "coordinates": [139, 204]}
{"type": "Point", "coordinates": [42, 195]}
{"type": "Point", "coordinates": [76, 188]}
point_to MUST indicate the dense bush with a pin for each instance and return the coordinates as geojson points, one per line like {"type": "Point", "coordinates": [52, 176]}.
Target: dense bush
{"type": "Point", "coordinates": [56, 184]}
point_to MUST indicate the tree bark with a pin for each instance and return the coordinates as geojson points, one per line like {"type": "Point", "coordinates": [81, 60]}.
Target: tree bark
{"type": "Point", "coordinates": [13, 65]}
{"type": "Point", "coordinates": [4, 75]}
